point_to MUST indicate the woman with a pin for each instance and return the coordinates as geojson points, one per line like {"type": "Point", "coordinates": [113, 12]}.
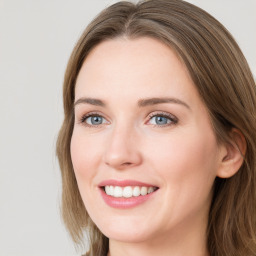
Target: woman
{"type": "Point", "coordinates": [157, 148]}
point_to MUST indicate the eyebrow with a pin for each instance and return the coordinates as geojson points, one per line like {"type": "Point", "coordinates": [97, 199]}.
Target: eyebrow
{"type": "Point", "coordinates": [141, 102]}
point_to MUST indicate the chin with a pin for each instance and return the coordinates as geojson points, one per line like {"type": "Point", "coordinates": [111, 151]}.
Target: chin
{"type": "Point", "coordinates": [126, 236]}
{"type": "Point", "coordinates": [127, 232]}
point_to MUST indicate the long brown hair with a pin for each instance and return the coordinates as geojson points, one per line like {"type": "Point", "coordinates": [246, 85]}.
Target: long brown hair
{"type": "Point", "coordinates": [225, 83]}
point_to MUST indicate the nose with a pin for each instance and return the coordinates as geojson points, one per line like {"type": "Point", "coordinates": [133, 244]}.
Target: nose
{"type": "Point", "coordinates": [122, 151]}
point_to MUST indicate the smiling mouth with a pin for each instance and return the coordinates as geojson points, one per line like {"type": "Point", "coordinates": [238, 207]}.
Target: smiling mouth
{"type": "Point", "coordinates": [128, 191]}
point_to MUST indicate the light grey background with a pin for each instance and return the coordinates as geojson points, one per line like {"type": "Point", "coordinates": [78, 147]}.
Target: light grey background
{"type": "Point", "coordinates": [36, 39]}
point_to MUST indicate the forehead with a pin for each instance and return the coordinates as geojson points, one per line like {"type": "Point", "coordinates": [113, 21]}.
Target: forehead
{"type": "Point", "coordinates": [142, 67]}
{"type": "Point", "coordinates": [144, 48]}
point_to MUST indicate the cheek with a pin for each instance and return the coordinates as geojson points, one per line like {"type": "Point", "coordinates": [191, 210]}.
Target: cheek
{"type": "Point", "coordinates": [85, 163]}
{"type": "Point", "coordinates": [82, 154]}
{"type": "Point", "coordinates": [188, 158]}
{"type": "Point", "coordinates": [187, 165]}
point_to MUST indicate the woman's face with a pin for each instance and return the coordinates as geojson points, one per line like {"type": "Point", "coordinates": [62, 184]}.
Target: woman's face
{"type": "Point", "coordinates": [143, 134]}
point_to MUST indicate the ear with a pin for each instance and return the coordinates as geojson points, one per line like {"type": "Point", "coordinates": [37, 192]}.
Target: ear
{"type": "Point", "coordinates": [232, 154]}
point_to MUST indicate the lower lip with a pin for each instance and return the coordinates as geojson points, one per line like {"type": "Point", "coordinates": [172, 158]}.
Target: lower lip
{"type": "Point", "coordinates": [125, 203]}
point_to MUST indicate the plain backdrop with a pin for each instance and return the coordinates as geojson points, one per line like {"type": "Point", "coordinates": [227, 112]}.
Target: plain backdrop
{"type": "Point", "coordinates": [36, 39]}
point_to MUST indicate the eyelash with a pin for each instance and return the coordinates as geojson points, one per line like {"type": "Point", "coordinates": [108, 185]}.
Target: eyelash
{"type": "Point", "coordinates": [173, 119]}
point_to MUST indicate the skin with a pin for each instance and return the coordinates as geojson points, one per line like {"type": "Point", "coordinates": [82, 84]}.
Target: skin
{"type": "Point", "coordinates": [181, 158]}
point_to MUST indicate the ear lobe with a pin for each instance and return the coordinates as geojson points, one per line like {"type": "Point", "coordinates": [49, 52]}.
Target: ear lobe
{"type": "Point", "coordinates": [232, 157]}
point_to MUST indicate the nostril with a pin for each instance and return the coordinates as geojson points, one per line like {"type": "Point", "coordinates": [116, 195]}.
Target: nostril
{"type": "Point", "coordinates": [127, 163]}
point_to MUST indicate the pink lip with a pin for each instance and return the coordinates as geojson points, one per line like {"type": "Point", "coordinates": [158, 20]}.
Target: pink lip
{"type": "Point", "coordinates": [121, 202]}
{"type": "Point", "coordinates": [124, 183]}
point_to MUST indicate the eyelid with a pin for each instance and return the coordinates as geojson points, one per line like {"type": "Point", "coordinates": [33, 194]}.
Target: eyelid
{"type": "Point", "coordinates": [162, 113]}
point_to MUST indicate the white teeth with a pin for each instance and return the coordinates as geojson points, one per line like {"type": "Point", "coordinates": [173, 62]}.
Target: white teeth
{"type": "Point", "coordinates": [150, 190]}
{"type": "Point", "coordinates": [136, 191]}
{"type": "Point", "coordinates": [128, 191]}
{"type": "Point", "coordinates": [111, 190]}
{"type": "Point", "coordinates": [118, 192]}
{"type": "Point", "coordinates": [143, 191]}
{"type": "Point", "coordinates": [107, 190]}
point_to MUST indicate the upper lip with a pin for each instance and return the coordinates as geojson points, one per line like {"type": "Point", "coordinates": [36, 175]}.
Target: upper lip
{"type": "Point", "coordinates": [124, 183]}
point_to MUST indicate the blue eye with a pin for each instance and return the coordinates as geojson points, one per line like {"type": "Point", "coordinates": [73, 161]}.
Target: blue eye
{"type": "Point", "coordinates": [156, 119]}
{"type": "Point", "coordinates": [93, 120]}
{"type": "Point", "coordinates": [162, 119]}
